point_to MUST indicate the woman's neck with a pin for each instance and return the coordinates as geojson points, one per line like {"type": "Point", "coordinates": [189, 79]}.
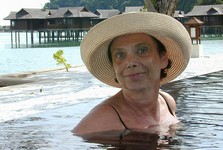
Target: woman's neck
{"type": "Point", "coordinates": [142, 102]}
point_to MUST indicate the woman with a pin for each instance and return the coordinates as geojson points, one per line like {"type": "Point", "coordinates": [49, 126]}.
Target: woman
{"type": "Point", "coordinates": [137, 52]}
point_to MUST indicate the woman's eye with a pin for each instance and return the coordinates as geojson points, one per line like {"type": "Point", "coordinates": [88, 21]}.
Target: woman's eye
{"type": "Point", "coordinates": [120, 55]}
{"type": "Point", "coordinates": [142, 50]}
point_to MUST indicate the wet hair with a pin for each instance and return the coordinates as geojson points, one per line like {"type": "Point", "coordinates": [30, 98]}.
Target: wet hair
{"type": "Point", "coordinates": [161, 50]}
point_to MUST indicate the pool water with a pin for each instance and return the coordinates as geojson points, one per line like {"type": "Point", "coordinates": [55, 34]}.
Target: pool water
{"type": "Point", "coordinates": [199, 107]}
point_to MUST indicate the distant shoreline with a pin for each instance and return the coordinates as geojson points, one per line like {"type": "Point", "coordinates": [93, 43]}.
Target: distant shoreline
{"type": "Point", "coordinates": [7, 30]}
{"type": "Point", "coordinates": [4, 28]}
{"type": "Point", "coordinates": [212, 38]}
{"type": "Point", "coordinates": [4, 31]}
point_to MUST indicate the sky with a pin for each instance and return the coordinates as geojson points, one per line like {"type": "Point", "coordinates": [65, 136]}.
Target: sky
{"type": "Point", "coordinates": [6, 6]}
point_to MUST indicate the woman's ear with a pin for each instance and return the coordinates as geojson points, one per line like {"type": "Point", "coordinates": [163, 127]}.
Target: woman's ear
{"type": "Point", "coordinates": [164, 61]}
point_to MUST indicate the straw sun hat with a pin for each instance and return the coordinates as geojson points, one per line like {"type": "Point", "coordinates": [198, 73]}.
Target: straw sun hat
{"type": "Point", "coordinates": [170, 32]}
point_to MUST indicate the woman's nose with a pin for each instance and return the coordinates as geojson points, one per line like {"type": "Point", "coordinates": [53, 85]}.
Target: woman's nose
{"type": "Point", "coordinates": [131, 62]}
{"type": "Point", "coordinates": [131, 66]}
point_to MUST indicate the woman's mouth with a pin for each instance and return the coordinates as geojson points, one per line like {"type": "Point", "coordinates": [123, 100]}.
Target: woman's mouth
{"type": "Point", "coordinates": [135, 76]}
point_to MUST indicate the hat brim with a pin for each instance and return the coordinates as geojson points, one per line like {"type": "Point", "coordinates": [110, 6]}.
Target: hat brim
{"type": "Point", "coordinates": [171, 33]}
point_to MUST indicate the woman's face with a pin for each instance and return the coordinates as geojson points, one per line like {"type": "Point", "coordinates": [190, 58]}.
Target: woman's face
{"type": "Point", "coordinates": [136, 61]}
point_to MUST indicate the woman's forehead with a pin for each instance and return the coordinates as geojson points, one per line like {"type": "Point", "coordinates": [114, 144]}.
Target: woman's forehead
{"type": "Point", "coordinates": [131, 38]}
{"type": "Point", "coordinates": [133, 35]}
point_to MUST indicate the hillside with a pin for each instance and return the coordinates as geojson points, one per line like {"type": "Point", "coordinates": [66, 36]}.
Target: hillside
{"type": "Point", "coordinates": [184, 5]}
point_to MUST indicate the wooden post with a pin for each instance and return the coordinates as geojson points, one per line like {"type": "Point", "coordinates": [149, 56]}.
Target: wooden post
{"type": "Point", "coordinates": [39, 37]}
{"type": "Point", "coordinates": [53, 36]}
{"type": "Point", "coordinates": [58, 34]}
{"type": "Point", "coordinates": [76, 35]}
{"type": "Point", "coordinates": [67, 35]}
{"type": "Point", "coordinates": [19, 38]}
{"type": "Point", "coordinates": [48, 36]}
{"type": "Point", "coordinates": [32, 40]}
{"type": "Point", "coordinates": [44, 33]}
{"type": "Point", "coordinates": [15, 39]}
{"type": "Point", "coordinates": [11, 39]}
{"type": "Point", "coordinates": [73, 34]}
{"type": "Point", "coordinates": [27, 39]}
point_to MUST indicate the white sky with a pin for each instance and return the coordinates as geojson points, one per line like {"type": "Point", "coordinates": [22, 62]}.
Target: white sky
{"type": "Point", "coordinates": [15, 5]}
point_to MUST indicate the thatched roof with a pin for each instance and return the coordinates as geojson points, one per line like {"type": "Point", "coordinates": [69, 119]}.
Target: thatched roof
{"type": "Point", "coordinates": [11, 16]}
{"type": "Point", "coordinates": [194, 21]}
{"type": "Point", "coordinates": [107, 13]}
{"type": "Point", "coordinates": [72, 12]}
{"type": "Point", "coordinates": [205, 10]}
{"type": "Point", "coordinates": [28, 13]}
{"type": "Point", "coordinates": [66, 12]}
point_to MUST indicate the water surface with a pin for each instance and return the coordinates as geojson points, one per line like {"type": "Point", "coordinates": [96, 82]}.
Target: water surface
{"type": "Point", "coordinates": [16, 60]}
{"type": "Point", "coordinates": [199, 107]}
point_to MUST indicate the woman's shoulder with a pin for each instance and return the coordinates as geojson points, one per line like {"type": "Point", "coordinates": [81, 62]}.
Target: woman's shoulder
{"type": "Point", "coordinates": [100, 118]}
{"type": "Point", "coordinates": [169, 100]}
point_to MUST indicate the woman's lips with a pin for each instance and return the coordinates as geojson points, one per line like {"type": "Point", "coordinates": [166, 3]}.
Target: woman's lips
{"type": "Point", "coordinates": [134, 76]}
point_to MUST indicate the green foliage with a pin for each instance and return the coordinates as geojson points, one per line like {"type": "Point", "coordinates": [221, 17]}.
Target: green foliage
{"type": "Point", "coordinates": [153, 1]}
{"type": "Point", "coordinates": [209, 2]}
{"type": "Point", "coordinates": [144, 8]}
{"type": "Point", "coordinates": [58, 56]}
{"type": "Point", "coordinates": [92, 5]}
{"type": "Point", "coordinates": [186, 5]}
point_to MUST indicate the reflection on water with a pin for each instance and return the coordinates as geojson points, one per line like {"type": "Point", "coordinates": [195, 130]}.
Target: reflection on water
{"type": "Point", "coordinates": [199, 107]}
{"type": "Point", "coordinates": [133, 139]}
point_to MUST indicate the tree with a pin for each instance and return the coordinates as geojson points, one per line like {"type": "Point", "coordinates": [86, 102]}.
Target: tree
{"type": "Point", "coordinates": [149, 4]}
{"type": "Point", "coordinates": [162, 6]}
{"type": "Point", "coordinates": [209, 2]}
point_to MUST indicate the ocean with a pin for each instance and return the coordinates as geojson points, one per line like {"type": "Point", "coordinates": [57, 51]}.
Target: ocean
{"type": "Point", "coordinates": [16, 60]}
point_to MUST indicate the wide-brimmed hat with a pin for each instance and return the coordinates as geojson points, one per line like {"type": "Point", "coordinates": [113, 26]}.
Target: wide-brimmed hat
{"type": "Point", "coordinates": [170, 32]}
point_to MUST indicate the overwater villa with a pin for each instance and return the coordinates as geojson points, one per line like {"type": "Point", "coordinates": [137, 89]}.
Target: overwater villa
{"type": "Point", "coordinates": [67, 24]}
{"type": "Point", "coordinates": [212, 16]}
{"type": "Point", "coordinates": [72, 23]}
